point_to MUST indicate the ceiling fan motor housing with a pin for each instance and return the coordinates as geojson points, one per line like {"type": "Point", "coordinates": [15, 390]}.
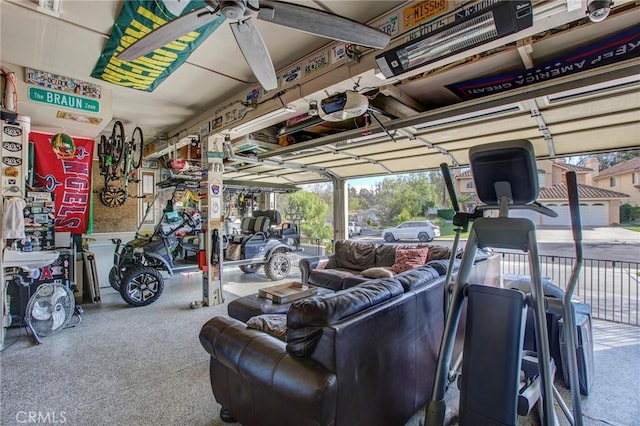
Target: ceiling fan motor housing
{"type": "Point", "coordinates": [233, 9]}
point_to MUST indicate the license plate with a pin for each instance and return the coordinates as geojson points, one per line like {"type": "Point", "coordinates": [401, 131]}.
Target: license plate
{"type": "Point", "coordinates": [418, 13]}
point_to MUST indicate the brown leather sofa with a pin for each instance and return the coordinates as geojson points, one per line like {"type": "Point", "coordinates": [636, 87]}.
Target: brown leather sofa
{"type": "Point", "coordinates": [351, 260]}
{"type": "Point", "coordinates": [365, 355]}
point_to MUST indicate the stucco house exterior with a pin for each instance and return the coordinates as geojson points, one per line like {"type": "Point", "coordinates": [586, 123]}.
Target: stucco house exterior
{"type": "Point", "coordinates": [598, 206]}
{"type": "Point", "coordinates": [623, 177]}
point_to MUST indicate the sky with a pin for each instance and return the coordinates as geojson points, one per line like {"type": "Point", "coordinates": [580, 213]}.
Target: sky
{"type": "Point", "coordinates": [366, 183]}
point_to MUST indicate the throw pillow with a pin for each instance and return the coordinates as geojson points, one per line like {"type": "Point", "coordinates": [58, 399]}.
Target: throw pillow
{"type": "Point", "coordinates": [273, 324]}
{"type": "Point", "coordinates": [377, 273]}
{"type": "Point", "coordinates": [409, 258]}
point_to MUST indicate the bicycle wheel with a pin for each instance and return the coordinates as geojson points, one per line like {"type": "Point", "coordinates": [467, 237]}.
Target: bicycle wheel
{"type": "Point", "coordinates": [117, 142]}
{"type": "Point", "coordinates": [137, 143]}
{"type": "Point", "coordinates": [102, 153]}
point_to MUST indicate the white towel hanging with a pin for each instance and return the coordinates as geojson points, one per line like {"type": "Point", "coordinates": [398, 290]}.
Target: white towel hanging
{"type": "Point", "coordinates": [13, 218]}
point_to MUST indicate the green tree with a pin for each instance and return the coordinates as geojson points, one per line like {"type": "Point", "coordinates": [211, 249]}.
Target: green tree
{"type": "Point", "coordinates": [355, 202]}
{"type": "Point", "coordinates": [610, 158]}
{"type": "Point", "coordinates": [312, 209]}
{"type": "Point", "coordinates": [411, 192]}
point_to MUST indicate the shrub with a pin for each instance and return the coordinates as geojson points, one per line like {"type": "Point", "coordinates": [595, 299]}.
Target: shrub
{"type": "Point", "coordinates": [446, 214]}
{"type": "Point", "coordinates": [629, 213]}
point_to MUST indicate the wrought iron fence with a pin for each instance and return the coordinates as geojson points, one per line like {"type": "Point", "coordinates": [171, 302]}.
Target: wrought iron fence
{"type": "Point", "coordinates": [610, 287]}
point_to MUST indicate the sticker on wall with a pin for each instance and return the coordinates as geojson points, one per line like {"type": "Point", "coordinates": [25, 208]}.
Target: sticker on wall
{"type": "Point", "coordinates": [12, 161]}
{"type": "Point", "coordinates": [13, 131]}
{"type": "Point", "coordinates": [12, 172]}
{"type": "Point", "coordinates": [338, 52]}
{"type": "Point", "coordinates": [214, 208]}
{"type": "Point", "coordinates": [12, 146]}
{"type": "Point", "coordinates": [80, 118]}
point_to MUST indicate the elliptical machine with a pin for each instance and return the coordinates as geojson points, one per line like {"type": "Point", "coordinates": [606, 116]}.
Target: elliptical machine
{"type": "Point", "coordinates": [505, 175]}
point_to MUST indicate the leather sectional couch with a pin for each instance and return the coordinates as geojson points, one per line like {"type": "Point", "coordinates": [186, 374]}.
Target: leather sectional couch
{"type": "Point", "coordinates": [365, 355]}
{"type": "Point", "coordinates": [355, 262]}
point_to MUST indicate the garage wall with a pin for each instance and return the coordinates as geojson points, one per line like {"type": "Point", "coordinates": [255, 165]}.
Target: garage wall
{"type": "Point", "coordinates": [113, 219]}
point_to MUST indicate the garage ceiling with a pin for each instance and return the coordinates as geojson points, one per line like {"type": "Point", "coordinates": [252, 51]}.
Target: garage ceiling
{"type": "Point", "coordinates": [596, 110]}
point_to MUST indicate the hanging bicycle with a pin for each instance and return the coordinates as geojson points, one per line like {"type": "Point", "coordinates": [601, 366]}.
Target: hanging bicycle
{"type": "Point", "coordinates": [119, 159]}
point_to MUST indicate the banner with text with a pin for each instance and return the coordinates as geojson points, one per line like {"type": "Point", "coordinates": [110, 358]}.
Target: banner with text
{"type": "Point", "coordinates": [63, 166]}
{"type": "Point", "coordinates": [619, 47]}
{"type": "Point", "coordinates": [138, 18]}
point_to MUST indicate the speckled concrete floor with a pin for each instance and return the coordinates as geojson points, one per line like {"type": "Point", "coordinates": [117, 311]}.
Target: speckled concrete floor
{"type": "Point", "coordinates": [145, 366]}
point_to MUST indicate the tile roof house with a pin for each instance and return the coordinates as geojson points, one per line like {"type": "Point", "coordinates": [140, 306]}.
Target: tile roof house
{"type": "Point", "coordinates": [598, 206]}
{"type": "Point", "coordinates": [623, 177]}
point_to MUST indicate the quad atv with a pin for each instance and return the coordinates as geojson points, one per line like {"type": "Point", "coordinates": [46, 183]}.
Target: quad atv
{"type": "Point", "coordinates": [136, 273]}
{"type": "Point", "coordinates": [138, 264]}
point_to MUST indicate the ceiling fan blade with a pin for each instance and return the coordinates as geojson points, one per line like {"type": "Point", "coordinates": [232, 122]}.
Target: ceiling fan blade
{"type": "Point", "coordinates": [169, 32]}
{"type": "Point", "coordinates": [321, 23]}
{"type": "Point", "coordinates": [255, 53]}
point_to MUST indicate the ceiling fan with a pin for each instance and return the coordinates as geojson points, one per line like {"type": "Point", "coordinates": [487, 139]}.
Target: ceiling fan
{"type": "Point", "coordinates": [242, 13]}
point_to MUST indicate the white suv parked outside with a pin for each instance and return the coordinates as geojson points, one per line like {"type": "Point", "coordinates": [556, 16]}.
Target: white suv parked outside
{"type": "Point", "coordinates": [423, 230]}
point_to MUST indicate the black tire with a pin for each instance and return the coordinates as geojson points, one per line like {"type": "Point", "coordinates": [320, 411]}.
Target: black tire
{"type": "Point", "coordinates": [117, 142]}
{"type": "Point", "coordinates": [250, 269]}
{"type": "Point", "coordinates": [137, 145]}
{"type": "Point", "coordinates": [388, 237]}
{"type": "Point", "coordinates": [424, 237]}
{"type": "Point", "coordinates": [278, 267]}
{"type": "Point", "coordinates": [141, 286]}
{"type": "Point", "coordinates": [114, 278]}
{"type": "Point", "coordinates": [103, 148]}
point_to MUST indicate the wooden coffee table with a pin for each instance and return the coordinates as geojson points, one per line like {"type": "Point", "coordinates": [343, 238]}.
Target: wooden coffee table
{"type": "Point", "coordinates": [288, 292]}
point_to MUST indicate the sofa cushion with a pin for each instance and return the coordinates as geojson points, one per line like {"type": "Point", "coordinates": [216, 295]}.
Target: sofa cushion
{"type": "Point", "coordinates": [306, 317]}
{"type": "Point", "coordinates": [417, 277]}
{"type": "Point", "coordinates": [409, 258]}
{"type": "Point", "coordinates": [440, 265]}
{"type": "Point", "coordinates": [355, 255]}
{"type": "Point", "coordinates": [331, 278]}
{"type": "Point", "coordinates": [377, 272]}
{"type": "Point", "coordinates": [385, 255]}
{"type": "Point", "coordinates": [273, 324]}
{"type": "Point", "coordinates": [438, 252]}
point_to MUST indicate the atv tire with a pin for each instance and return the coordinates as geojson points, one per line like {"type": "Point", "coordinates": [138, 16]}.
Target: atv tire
{"type": "Point", "coordinates": [114, 278]}
{"type": "Point", "coordinates": [278, 267]}
{"type": "Point", "coordinates": [141, 286]}
{"type": "Point", "coordinates": [250, 269]}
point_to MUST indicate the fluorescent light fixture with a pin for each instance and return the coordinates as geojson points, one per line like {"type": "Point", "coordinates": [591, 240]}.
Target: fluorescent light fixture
{"type": "Point", "coordinates": [486, 113]}
{"type": "Point", "coordinates": [263, 119]}
{"type": "Point", "coordinates": [488, 24]}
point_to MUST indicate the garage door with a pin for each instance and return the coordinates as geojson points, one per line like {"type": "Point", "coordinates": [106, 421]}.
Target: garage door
{"type": "Point", "coordinates": [563, 219]}
{"type": "Point", "coordinates": [596, 214]}
{"type": "Point", "coordinates": [527, 214]}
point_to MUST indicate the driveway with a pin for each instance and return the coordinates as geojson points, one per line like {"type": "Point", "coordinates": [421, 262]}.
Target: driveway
{"type": "Point", "coordinates": [608, 234]}
{"type": "Point", "coordinates": [602, 243]}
